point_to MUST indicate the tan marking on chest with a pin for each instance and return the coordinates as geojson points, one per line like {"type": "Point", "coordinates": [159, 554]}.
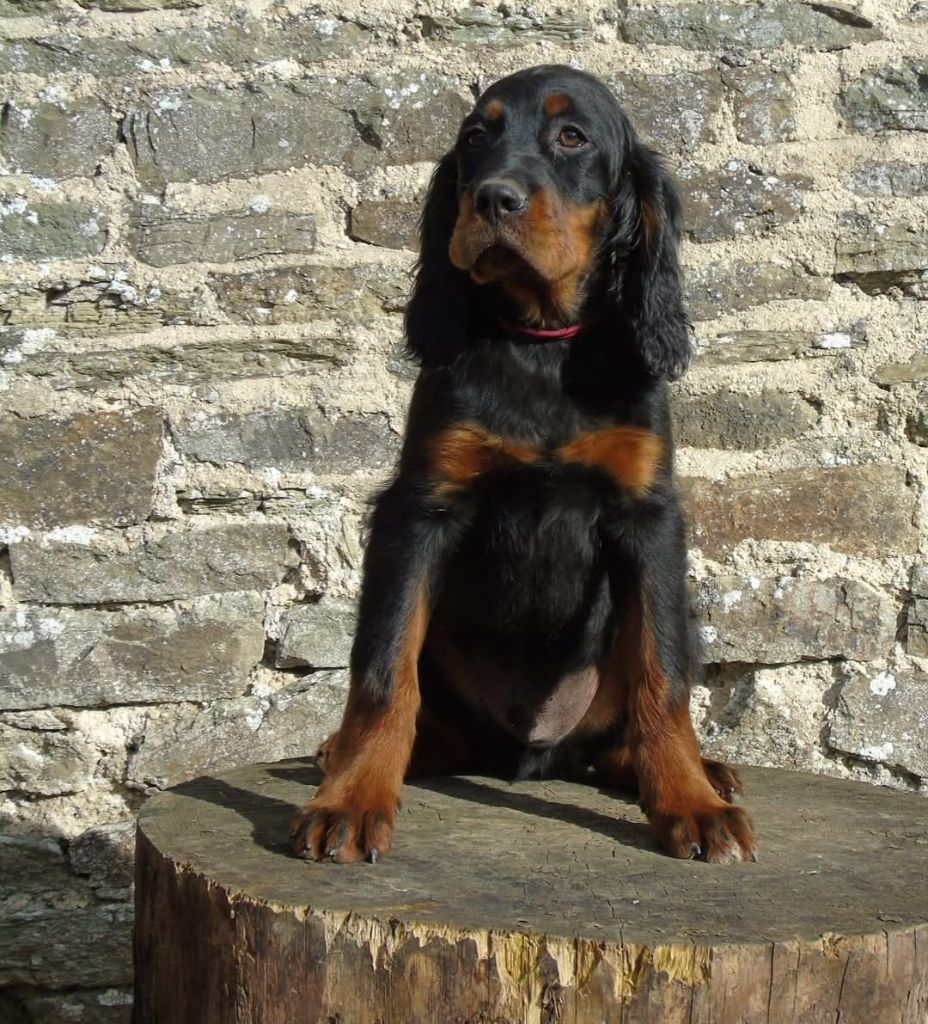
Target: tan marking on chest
{"type": "Point", "coordinates": [462, 453]}
{"type": "Point", "coordinates": [631, 455]}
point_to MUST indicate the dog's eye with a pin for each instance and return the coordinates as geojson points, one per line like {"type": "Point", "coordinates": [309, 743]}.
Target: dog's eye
{"type": "Point", "coordinates": [476, 137]}
{"type": "Point", "coordinates": [571, 138]}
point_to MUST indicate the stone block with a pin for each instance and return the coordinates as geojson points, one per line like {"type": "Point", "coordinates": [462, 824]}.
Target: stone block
{"type": "Point", "coordinates": [33, 869]}
{"type": "Point", "coordinates": [413, 118]}
{"type": "Point", "coordinates": [917, 624]}
{"type": "Point", "coordinates": [20, 8]}
{"type": "Point", "coordinates": [880, 717]}
{"type": "Point", "coordinates": [739, 200]}
{"type": "Point", "coordinates": [392, 223]}
{"type": "Point", "coordinates": [880, 254]}
{"type": "Point", "coordinates": [51, 950]}
{"type": "Point", "coordinates": [46, 230]}
{"type": "Point", "coordinates": [190, 563]}
{"type": "Point", "coordinates": [184, 742]}
{"type": "Point", "coordinates": [714, 290]}
{"type": "Point", "coordinates": [93, 468]}
{"type": "Point", "coordinates": [772, 715]}
{"type": "Point", "coordinates": [897, 284]}
{"type": "Point", "coordinates": [916, 424]}
{"type": "Point", "coordinates": [140, 5]}
{"type": "Point", "coordinates": [294, 439]}
{"type": "Point", "coordinates": [305, 294]}
{"type": "Point", "coordinates": [740, 422]}
{"type": "Point", "coordinates": [102, 301]}
{"type": "Point", "coordinates": [764, 104]}
{"type": "Point", "coordinates": [483, 26]}
{"type": "Point", "coordinates": [196, 363]}
{"type": "Point", "coordinates": [44, 761]}
{"type": "Point", "coordinates": [888, 178]}
{"type": "Point", "coordinates": [104, 856]}
{"type": "Point", "coordinates": [891, 98]}
{"type": "Point", "coordinates": [866, 243]}
{"type": "Point", "coordinates": [54, 140]}
{"type": "Point", "coordinates": [307, 39]}
{"type": "Point", "coordinates": [95, 1006]}
{"type": "Point", "coordinates": [917, 629]}
{"type": "Point", "coordinates": [49, 919]}
{"type": "Point", "coordinates": [860, 510]}
{"type": "Point", "coordinates": [750, 346]}
{"type": "Point", "coordinates": [723, 26]}
{"type": "Point", "coordinates": [773, 621]}
{"type": "Point", "coordinates": [38, 896]}
{"type": "Point", "coordinates": [162, 237]}
{"type": "Point", "coordinates": [319, 635]}
{"type": "Point", "coordinates": [90, 658]}
{"type": "Point", "coordinates": [401, 364]}
{"type": "Point", "coordinates": [204, 134]}
{"type": "Point", "coordinates": [247, 45]}
{"type": "Point", "coordinates": [912, 371]}
{"type": "Point", "coordinates": [674, 112]}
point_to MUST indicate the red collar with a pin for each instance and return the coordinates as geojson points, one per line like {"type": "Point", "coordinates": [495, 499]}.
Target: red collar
{"type": "Point", "coordinates": [538, 334]}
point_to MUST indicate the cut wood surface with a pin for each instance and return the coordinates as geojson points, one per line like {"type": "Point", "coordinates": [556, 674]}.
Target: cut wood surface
{"type": "Point", "coordinates": [538, 902]}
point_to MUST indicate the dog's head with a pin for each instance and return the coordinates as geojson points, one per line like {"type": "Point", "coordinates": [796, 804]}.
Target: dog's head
{"type": "Point", "coordinates": [550, 212]}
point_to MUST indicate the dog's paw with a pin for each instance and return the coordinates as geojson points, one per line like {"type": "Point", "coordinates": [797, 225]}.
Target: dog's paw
{"type": "Point", "coordinates": [723, 778]}
{"type": "Point", "coordinates": [719, 835]}
{"type": "Point", "coordinates": [345, 832]}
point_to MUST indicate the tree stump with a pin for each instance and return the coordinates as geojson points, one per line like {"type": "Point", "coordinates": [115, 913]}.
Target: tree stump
{"type": "Point", "coordinates": [536, 902]}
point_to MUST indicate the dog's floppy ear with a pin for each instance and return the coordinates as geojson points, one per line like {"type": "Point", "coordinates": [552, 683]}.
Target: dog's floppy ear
{"type": "Point", "coordinates": [645, 270]}
{"type": "Point", "coordinates": [436, 315]}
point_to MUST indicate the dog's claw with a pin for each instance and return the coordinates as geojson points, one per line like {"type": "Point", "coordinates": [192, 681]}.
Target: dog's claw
{"type": "Point", "coordinates": [695, 851]}
{"type": "Point", "coordinates": [373, 856]}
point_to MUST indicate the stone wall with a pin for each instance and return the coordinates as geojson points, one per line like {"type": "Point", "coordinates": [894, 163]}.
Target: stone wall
{"type": "Point", "coordinates": [206, 229]}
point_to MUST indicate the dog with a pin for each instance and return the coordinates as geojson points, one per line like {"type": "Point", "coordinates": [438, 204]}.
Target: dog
{"type": "Point", "coordinates": [524, 609]}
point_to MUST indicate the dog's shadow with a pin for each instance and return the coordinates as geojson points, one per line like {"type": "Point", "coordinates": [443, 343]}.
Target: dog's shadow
{"type": "Point", "coordinates": [618, 828]}
{"type": "Point", "coordinates": [270, 816]}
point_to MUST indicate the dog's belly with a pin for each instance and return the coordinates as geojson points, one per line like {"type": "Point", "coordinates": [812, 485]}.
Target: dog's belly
{"type": "Point", "coordinates": [532, 708]}
{"type": "Point", "coordinates": [538, 721]}
{"type": "Point", "coordinates": [524, 606]}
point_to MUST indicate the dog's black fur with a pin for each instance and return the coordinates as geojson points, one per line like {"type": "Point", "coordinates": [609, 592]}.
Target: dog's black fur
{"type": "Point", "coordinates": [524, 606]}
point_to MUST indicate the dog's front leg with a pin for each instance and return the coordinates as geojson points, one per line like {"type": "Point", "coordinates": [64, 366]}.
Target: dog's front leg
{"type": "Point", "coordinates": [351, 817]}
{"type": "Point", "coordinates": [679, 792]}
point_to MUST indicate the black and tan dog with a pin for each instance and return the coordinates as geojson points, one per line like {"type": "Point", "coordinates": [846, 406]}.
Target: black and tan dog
{"type": "Point", "coordinates": [524, 608]}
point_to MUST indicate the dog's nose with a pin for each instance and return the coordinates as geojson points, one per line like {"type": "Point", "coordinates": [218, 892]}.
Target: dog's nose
{"type": "Point", "coordinates": [496, 199]}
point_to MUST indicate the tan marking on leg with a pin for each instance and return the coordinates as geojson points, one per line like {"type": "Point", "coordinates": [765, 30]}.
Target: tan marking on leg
{"type": "Point", "coordinates": [354, 809]}
{"type": "Point", "coordinates": [610, 704]}
{"type": "Point", "coordinates": [688, 817]}
{"type": "Point", "coordinates": [615, 769]}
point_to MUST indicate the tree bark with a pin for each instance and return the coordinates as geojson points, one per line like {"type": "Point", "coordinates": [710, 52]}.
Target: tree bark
{"type": "Point", "coordinates": [532, 903]}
